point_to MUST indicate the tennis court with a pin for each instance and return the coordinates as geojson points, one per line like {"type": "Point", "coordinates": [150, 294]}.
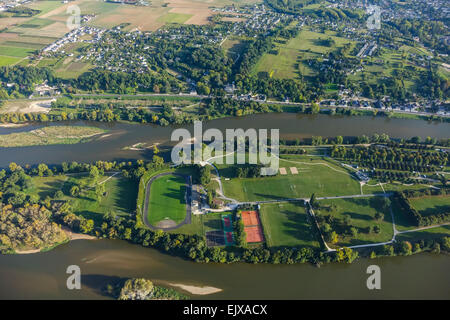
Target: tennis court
{"type": "Point", "coordinates": [227, 221]}
{"type": "Point", "coordinates": [215, 238]}
{"type": "Point", "coordinates": [254, 234]}
{"type": "Point", "coordinates": [250, 218]}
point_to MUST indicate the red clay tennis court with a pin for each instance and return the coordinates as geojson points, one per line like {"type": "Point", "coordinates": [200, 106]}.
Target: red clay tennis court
{"type": "Point", "coordinates": [252, 226]}
{"type": "Point", "coordinates": [250, 218]}
{"type": "Point", "coordinates": [254, 234]}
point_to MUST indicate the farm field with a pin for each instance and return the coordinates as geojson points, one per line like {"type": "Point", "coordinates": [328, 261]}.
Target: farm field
{"type": "Point", "coordinates": [286, 224]}
{"type": "Point", "coordinates": [290, 57]}
{"type": "Point", "coordinates": [167, 199]}
{"type": "Point", "coordinates": [119, 198]}
{"type": "Point", "coordinates": [361, 212]}
{"type": "Point", "coordinates": [314, 176]}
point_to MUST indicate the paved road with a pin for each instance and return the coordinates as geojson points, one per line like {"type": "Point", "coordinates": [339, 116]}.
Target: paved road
{"type": "Point", "coordinates": [235, 98]}
{"type": "Point", "coordinates": [187, 219]}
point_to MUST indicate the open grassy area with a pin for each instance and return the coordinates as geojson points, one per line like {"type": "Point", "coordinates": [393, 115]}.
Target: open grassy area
{"type": "Point", "coordinates": [314, 176]}
{"type": "Point", "coordinates": [119, 197]}
{"type": "Point", "coordinates": [167, 199]}
{"type": "Point", "coordinates": [361, 212]}
{"type": "Point", "coordinates": [431, 233]}
{"type": "Point", "coordinates": [201, 224]}
{"type": "Point", "coordinates": [49, 136]}
{"type": "Point", "coordinates": [287, 224]}
{"type": "Point", "coordinates": [431, 205]}
{"type": "Point", "coordinates": [289, 57]}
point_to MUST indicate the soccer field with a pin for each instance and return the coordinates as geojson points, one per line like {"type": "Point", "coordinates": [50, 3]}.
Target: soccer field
{"type": "Point", "coordinates": [167, 199]}
{"type": "Point", "coordinates": [314, 176]}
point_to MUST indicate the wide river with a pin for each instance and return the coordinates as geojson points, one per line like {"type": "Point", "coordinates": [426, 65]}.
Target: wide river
{"type": "Point", "coordinates": [43, 275]}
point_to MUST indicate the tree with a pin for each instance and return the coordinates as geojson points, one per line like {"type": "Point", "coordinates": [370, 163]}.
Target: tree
{"type": "Point", "coordinates": [13, 166]}
{"type": "Point", "coordinates": [313, 201]}
{"type": "Point", "coordinates": [136, 289]}
{"type": "Point", "coordinates": [75, 191]}
{"type": "Point", "coordinates": [93, 172]}
{"type": "Point", "coordinates": [315, 108]}
{"type": "Point", "coordinates": [339, 140]}
{"type": "Point", "coordinates": [378, 216]}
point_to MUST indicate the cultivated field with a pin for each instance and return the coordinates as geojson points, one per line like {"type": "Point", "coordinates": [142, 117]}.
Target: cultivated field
{"type": "Point", "coordinates": [291, 55]}
{"type": "Point", "coordinates": [286, 224]}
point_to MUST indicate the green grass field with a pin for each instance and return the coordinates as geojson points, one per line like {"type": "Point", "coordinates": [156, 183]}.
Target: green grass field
{"type": "Point", "coordinates": [6, 61]}
{"type": "Point", "coordinates": [431, 205]}
{"type": "Point", "coordinates": [120, 197]}
{"type": "Point", "coordinates": [201, 224]}
{"type": "Point", "coordinates": [175, 18]}
{"type": "Point", "coordinates": [286, 224]}
{"type": "Point", "coordinates": [15, 51]}
{"type": "Point", "coordinates": [361, 212]}
{"type": "Point", "coordinates": [315, 176]}
{"type": "Point", "coordinates": [431, 233]}
{"type": "Point", "coordinates": [291, 55]}
{"type": "Point", "coordinates": [167, 199]}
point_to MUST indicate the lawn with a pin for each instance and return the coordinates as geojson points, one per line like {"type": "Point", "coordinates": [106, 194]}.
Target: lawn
{"type": "Point", "coordinates": [200, 224]}
{"type": "Point", "coordinates": [120, 199]}
{"type": "Point", "coordinates": [361, 212]}
{"type": "Point", "coordinates": [431, 233]}
{"type": "Point", "coordinates": [431, 205]}
{"type": "Point", "coordinates": [167, 199]}
{"type": "Point", "coordinates": [286, 224]}
{"type": "Point", "coordinates": [314, 176]}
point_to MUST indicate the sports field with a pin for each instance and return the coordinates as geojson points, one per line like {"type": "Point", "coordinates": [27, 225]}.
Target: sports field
{"type": "Point", "coordinates": [290, 56]}
{"type": "Point", "coordinates": [252, 226]}
{"type": "Point", "coordinates": [167, 199]}
{"type": "Point", "coordinates": [314, 176]}
{"type": "Point", "coordinates": [286, 224]}
{"type": "Point", "coordinates": [361, 212]}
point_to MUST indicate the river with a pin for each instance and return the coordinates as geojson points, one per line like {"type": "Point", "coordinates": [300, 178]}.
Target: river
{"type": "Point", "coordinates": [291, 126]}
{"type": "Point", "coordinates": [42, 276]}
